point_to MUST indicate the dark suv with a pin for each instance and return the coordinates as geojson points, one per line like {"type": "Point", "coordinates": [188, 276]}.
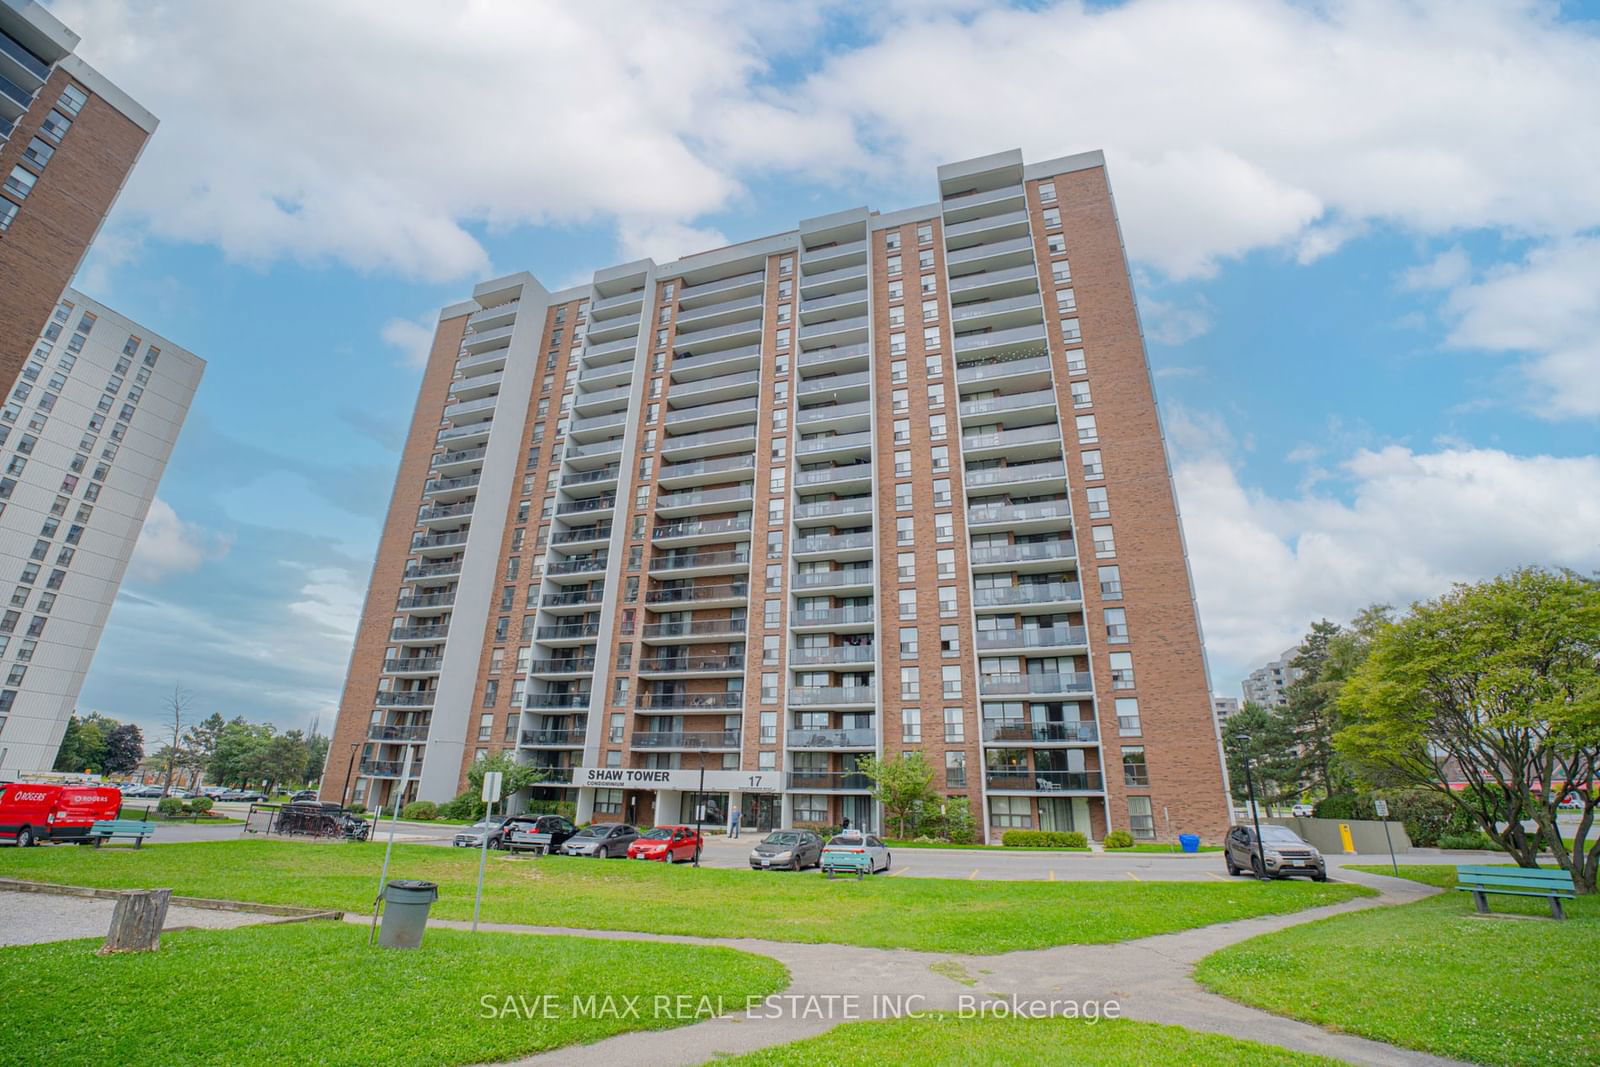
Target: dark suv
{"type": "Point", "coordinates": [1286, 854]}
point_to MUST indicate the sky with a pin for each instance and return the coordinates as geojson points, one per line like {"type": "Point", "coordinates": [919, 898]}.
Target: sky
{"type": "Point", "coordinates": [1365, 237]}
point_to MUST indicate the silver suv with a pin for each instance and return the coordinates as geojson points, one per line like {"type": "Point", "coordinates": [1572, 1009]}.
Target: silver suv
{"type": "Point", "coordinates": [1286, 854]}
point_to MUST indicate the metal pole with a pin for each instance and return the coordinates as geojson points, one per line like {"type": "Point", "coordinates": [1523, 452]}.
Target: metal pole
{"type": "Point", "coordinates": [1390, 842]}
{"type": "Point", "coordinates": [348, 771]}
{"type": "Point", "coordinates": [699, 803]}
{"type": "Point", "coordinates": [483, 860]}
{"type": "Point", "coordinates": [1255, 816]}
{"type": "Point", "coordinates": [383, 879]}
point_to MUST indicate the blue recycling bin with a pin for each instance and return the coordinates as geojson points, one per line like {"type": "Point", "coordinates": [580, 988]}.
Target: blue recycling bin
{"type": "Point", "coordinates": [1189, 842]}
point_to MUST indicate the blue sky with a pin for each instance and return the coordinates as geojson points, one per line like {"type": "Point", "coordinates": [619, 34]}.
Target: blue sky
{"type": "Point", "coordinates": [1366, 241]}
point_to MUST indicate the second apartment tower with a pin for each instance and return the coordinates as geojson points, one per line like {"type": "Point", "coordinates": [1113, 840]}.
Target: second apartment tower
{"type": "Point", "coordinates": [884, 483]}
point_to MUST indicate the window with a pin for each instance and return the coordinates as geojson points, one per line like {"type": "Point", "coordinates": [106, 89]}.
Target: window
{"type": "Point", "coordinates": [935, 396]}
{"type": "Point", "coordinates": [1099, 506]}
{"type": "Point", "coordinates": [1092, 468]}
{"type": "Point", "coordinates": [897, 344]}
{"type": "Point", "coordinates": [897, 291]}
{"type": "Point", "coordinates": [930, 311]}
{"type": "Point", "coordinates": [55, 125]}
{"type": "Point", "coordinates": [769, 688]}
{"type": "Point", "coordinates": [908, 603]}
{"type": "Point", "coordinates": [771, 644]}
{"type": "Point", "coordinates": [925, 259]}
{"type": "Point", "coordinates": [902, 496]}
{"type": "Point", "coordinates": [910, 683]}
{"type": "Point", "coordinates": [938, 428]}
{"type": "Point", "coordinates": [930, 337]}
{"type": "Point", "coordinates": [1088, 432]}
{"type": "Point", "coordinates": [491, 693]}
{"type": "Point", "coordinates": [485, 726]}
{"type": "Point", "coordinates": [772, 614]}
{"type": "Point", "coordinates": [1105, 541]}
{"type": "Point", "coordinates": [930, 284]}
{"type": "Point", "coordinates": [941, 493]}
{"type": "Point", "coordinates": [38, 152]}
{"type": "Point", "coordinates": [1070, 331]}
{"type": "Point", "coordinates": [946, 558]}
{"type": "Point", "coordinates": [902, 431]}
{"type": "Point", "coordinates": [619, 692]}
{"type": "Point", "coordinates": [774, 577]}
{"type": "Point", "coordinates": [950, 676]}
{"type": "Point", "coordinates": [774, 544]}
{"type": "Point", "coordinates": [1080, 395]}
{"type": "Point", "coordinates": [1010, 812]}
{"type": "Point", "coordinates": [906, 566]}
{"type": "Point", "coordinates": [935, 366]}
{"type": "Point", "coordinates": [944, 527]}
{"type": "Point", "coordinates": [925, 234]}
{"type": "Point", "coordinates": [900, 400]}
{"type": "Point", "coordinates": [955, 770]}
{"type": "Point", "coordinates": [911, 724]}
{"type": "Point", "coordinates": [1075, 362]}
{"type": "Point", "coordinates": [1066, 301]}
{"type": "Point", "coordinates": [810, 807]}
{"type": "Point", "coordinates": [949, 641]}
{"type": "Point", "coordinates": [608, 801]}
{"type": "Point", "coordinates": [892, 264]}
{"type": "Point", "coordinates": [904, 527]}
{"type": "Point", "coordinates": [1116, 626]}
{"type": "Point", "coordinates": [1056, 244]}
{"type": "Point", "coordinates": [902, 463]}
{"type": "Point", "coordinates": [1128, 716]}
{"type": "Point", "coordinates": [1052, 217]}
{"type": "Point", "coordinates": [8, 211]}
{"type": "Point", "coordinates": [940, 457]}
{"type": "Point", "coordinates": [73, 98]}
{"type": "Point", "coordinates": [1110, 583]}
{"type": "Point", "coordinates": [897, 371]}
{"type": "Point", "coordinates": [891, 240]}
{"type": "Point", "coordinates": [947, 601]}
{"type": "Point", "coordinates": [21, 182]}
{"type": "Point", "coordinates": [897, 316]}
{"type": "Point", "coordinates": [954, 730]}
{"type": "Point", "coordinates": [1141, 820]}
{"type": "Point", "coordinates": [908, 641]}
{"type": "Point", "coordinates": [1047, 192]}
{"type": "Point", "coordinates": [1121, 670]}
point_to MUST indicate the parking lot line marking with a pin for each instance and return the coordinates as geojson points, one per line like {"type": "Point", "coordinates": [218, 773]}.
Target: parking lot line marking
{"type": "Point", "coordinates": [1052, 875]}
{"type": "Point", "coordinates": [973, 875]}
{"type": "Point", "coordinates": [1217, 876]}
{"type": "Point", "coordinates": [901, 871]}
{"type": "Point", "coordinates": [1135, 877]}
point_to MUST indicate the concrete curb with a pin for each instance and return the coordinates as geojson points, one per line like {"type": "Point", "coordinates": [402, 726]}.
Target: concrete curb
{"type": "Point", "coordinates": [282, 911]}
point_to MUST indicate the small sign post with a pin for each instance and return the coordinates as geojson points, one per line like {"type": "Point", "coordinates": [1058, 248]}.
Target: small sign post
{"type": "Point", "coordinates": [1383, 814]}
{"type": "Point", "coordinates": [491, 793]}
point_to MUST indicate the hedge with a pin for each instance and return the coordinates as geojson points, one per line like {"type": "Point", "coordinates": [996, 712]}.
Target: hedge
{"type": "Point", "coordinates": [422, 810]}
{"type": "Point", "coordinates": [1118, 839]}
{"type": "Point", "coordinates": [1043, 839]}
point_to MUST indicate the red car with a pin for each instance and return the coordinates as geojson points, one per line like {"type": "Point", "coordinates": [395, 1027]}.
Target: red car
{"type": "Point", "coordinates": [31, 813]}
{"type": "Point", "coordinates": [669, 844]}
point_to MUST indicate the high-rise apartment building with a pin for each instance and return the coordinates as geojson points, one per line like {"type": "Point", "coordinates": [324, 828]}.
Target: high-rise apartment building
{"type": "Point", "coordinates": [85, 433]}
{"type": "Point", "coordinates": [1223, 707]}
{"type": "Point", "coordinates": [1269, 685]}
{"type": "Point", "coordinates": [882, 484]}
{"type": "Point", "coordinates": [68, 138]}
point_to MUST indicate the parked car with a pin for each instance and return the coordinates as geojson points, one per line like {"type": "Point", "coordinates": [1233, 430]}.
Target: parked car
{"type": "Point", "coordinates": [545, 833]}
{"type": "Point", "coordinates": [603, 840]}
{"type": "Point", "coordinates": [472, 836]}
{"type": "Point", "coordinates": [250, 796]}
{"type": "Point", "coordinates": [1302, 811]}
{"type": "Point", "coordinates": [668, 844]}
{"type": "Point", "coordinates": [856, 852]}
{"type": "Point", "coordinates": [32, 813]}
{"type": "Point", "coordinates": [1285, 853]}
{"type": "Point", "coordinates": [179, 792]}
{"type": "Point", "coordinates": [304, 795]}
{"type": "Point", "coordinates": [143, 792]}
{"type": "Point", "coordinates": [793, 849]}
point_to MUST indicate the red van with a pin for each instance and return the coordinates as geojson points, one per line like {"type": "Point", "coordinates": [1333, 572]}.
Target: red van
{"type": "Point", "coordinates": [32, 813]}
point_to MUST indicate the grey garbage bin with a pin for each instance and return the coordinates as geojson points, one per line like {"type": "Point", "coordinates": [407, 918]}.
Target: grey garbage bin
{"type": "Point", "coordinates": [405, 912]}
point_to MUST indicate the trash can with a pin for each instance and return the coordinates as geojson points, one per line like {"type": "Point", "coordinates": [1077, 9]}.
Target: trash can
{"type": "Point", "coordinates": [405, 912]}
{"type": "Point", "coordinates": [1189, 842]}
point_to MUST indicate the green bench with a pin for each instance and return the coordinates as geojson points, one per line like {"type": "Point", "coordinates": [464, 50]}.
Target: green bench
{"type": "Point", "coordinates": [1516, 882]}
{"type": "Point", "coordinates": [101, 832]}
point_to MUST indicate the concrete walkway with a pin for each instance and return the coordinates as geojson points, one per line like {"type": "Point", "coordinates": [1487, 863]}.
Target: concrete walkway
{"type": "Point", "coordinates": [1150, 979]}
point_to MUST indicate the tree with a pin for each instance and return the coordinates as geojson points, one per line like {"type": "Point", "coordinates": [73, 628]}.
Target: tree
{"type": "Point", "coordinates": [177, 705]}
{"type": "Point", "coordinates": [285, 758]}
{"type": "Point", "coordinates": [1271, 749]}
{"type": "Point", "coordinates": [124, 749]}
{"type": "Point", "coordinates": [1497, 687]}
{"type": "Point", "coordinates": [201, 739]}
{"type": "Point", "coordinates": [902, 785]}
{"type": "Point", "coordinates": [240, 754]}
{"type": "Point", "coordinates": [316, 758]}
{"type": "Point", "coordinates": [1311, 712]}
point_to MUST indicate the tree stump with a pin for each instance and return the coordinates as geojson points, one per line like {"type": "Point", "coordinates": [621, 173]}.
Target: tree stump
{"type": "Point", "coordinates": [137, 921]}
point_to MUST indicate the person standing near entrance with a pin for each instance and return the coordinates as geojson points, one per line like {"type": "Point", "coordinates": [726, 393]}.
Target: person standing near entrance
{"type": "Point", "coordinates": [733, 824]}
{"type": "Point", "coordinates": [846, 824]}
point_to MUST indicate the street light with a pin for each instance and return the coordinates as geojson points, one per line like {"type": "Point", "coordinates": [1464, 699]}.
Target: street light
{"type": "Point", "coordinates": [1255, 812]}
{"type": "Point", "coordinates": [699, 800]}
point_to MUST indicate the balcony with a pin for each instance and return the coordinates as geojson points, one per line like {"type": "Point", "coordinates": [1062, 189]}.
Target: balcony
{"type": "Point", "coordinates": [1052, 472]}
{"type": "Point", "coordinates": [831, 257]}
{"type": "Point", "coordinates": [20, 97]}
{"type": "Point", "coordinates": [416, 698]}
{"type": "Point", "coordinates": [842, 781]}
{"type": "Point", "coordinates": [693, 472]}
{"type": "Point", "coordinates": [709, 665]}
{"type": "Point", "coordinates": [462, 435]}
{"type": "Point", "coordinates": [561, 665]}
{"type": "Point", "coordinates": [833, 416]}
{"type": "Point", "coordinates": [699, 595]}
{"type": "Point", "coordinates": [1022, 518]}
{"type": "Point", "coordinates": [843, 578]}
{"type": "Point", "coordinates": [554, 738]}
{"type": "Point", "coordinates": [701, 531]}
{"type": "Point", "coordinates": [413, 665]}
{"type": "Point", "coordinates": [831, 618]}
{"type": "Point", "coordinates": [420, 634]}
{"type": "Point", "coordinates": [689, 368]}
{"type": "Point", "coordinates": [830, 509]}
{"type": "Point", "coordinates": [692, 564]}
{"type": "Point", "coordinates": [610, 306]}
{"type": "Point", "coordinates": [557, 701]}
{"type": "Point", "coordinates": [452, 485]}
{"type": "Point", "coordinates": [838, 358]}
{"type": "Point", "coordinates": [573, 598]}
{"type": "Point", "coordinates": [567, 631]}
{"type": "Point", "coordinates": [840, 386]}
{"type": "Point", "coordinates": [29, 65]}
{"type": "Point", "coordinates": [960, 207]}
{"type": "Point", "coordinates": [839, 546]}
{"type": "Point", "coordinates": [446, 463]}
{"type": "Point", "coordinates": [718, 337]}
{"type": "Point", "coordinates": [703, 500]}
{"type": "Point", "coordinates": [613, 328]}
{"type": "Point", "coordinates": [598, 450]}
{"type": "Point", "coordinates": [428, 603]}
{"type": "Point", "coordinates": [710, 443]}
{"type": "Point", "coordinates": [1024, 443]}
{"type": "Point", "coordinates": [1018, 732]}
{"type": "Point", "coordinates": [440, 542]}
{"type": "Point", "coordinates": [987, 228]}
{"type": "Point", "coordinates": [1035, 401]}
{"type": "Point", "coordinates": [1057, 550]}
{"type": "Point", "coordinates": [831, 695]}
{"type": "Point", "coordinates": [1033, 638]}
{"type": "Point", "coordinates": [833, 331]}
{"type": "Point", "coordinates": [573, 479]}
{"type": "Point", "coordinates": [1026, 780]}
{"type": "Point", "coordinates": [689, 701]}
{"type": "Point", "coordinates": [849, 475]}
{"type": "Point", "coordinates": [709, 390]}
{"type": "Point", "coordinates": [423, 571]}
{"type": "Point", "coordinates": [584, 505]}
{"type": "Point", "coordinates": [606, 376]}
{"type": "Point", "coordinates": [1005, 281]}
{"type": "Point", "coordinates": [833, 739]}
{"type": "Point", "coordinates": [600, 400]}
{"type": "Point", "coordinates": [694, 629]}
{"type": "Point", "coordinates": [1007, 312]}
{"type": "Point", "coordinates": [833, 281]}
{"type": "Point", "coordinates": [704, 316]}
{"type": "Point", "coordinates": [832, 655]}
{"type": "Point", "coordinates": [476, 410]}
{"type": "Point", "coordinates": [688, 740]}
{"type": "Point", "coordinates": [1016, 340]}
{"type": "Point", "coordinates": [711, 416]}
{"type": "Point", "coordinates": [583, 534]}
{"type": "Point", "coordinates": [587, 429]}
{"type": "Point", "coordinates": [1030, 369]}
{"type": "Point", "coordinates": [1027, 594]}
{"type": "Point", "coordinates": [840, 305]}
{"type": "Point", "coordinates": [835, 445]}
{"type": "Point", "coordinates": [500, 337]}
{"type": "Point", "coordinates": [993, 685]}
{"type": "Point", "coordinates": [490, 317]}
{"type": "Point", "coordinates": [1014, 252]}
{"type": "Point", "coordinates": [426, 516]}
{"type": "Point", "coordinates": [618, 351]}
{"type": "Point", "coordinates": [389, 768]}
{"type": "Point", "coordinates": [384, 733]}
{"type": "Point", "coordinates": [482, 385]}
{"type": "Point", "coordinates": [578, 565]}
{"type": "Point", "coordinates": [693, 295]}
{"type": "Point", "coordinates": [553, 775]}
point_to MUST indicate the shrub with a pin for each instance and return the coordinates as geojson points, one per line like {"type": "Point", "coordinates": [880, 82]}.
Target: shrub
{"type": "Point", "coordinates": [355, 807]}
{"type": "Point", "coordinates": [1118, 839]}
{"type": "Point", "coordinates": [170, 806]}
{"type": "Point", "coordinates": [1477, 840]}
{"type": "Point", "coordinates": [199, 805]}
{"type": "Point", "coordinates": [1043, 839]}
{"type": "Point", "coordinates": [1075, 839]}
{"type": "Point", "coordinates": [553, 807]}
{"type": "Point", "coordinates": [1425, 814]}
{"type": "Point", "coordinates": [1345, 806]}
{"type": "Point", "coordinates": [467, 805]}
{"type": "Point", "coordinates": [420, 810]}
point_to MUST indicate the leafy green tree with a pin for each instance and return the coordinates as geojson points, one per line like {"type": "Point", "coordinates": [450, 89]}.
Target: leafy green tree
{"type": "Point", "coordinates": [316, 758]}
{"type": "Point", "coordinates": [124, 749]}
{"type": "Point", "coordinates": [902, 785]}
{"type": "Point", "coordinates": [284, 760]}
{"type": "Point", "coordinates": [200, 740]}
{"type": "Point", "coordinates": [1265, 736]}
{"type": "Point", "coordinates": [1494, 686]}
{"type": "Point", "coordinates": [1311, 713]}
{"type": "Point", "coordinates": [240, 753]}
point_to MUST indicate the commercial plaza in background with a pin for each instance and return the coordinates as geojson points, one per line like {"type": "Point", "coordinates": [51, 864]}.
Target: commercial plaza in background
{"type": "Point", "coordinates": [93, 401]}
{"type": "Point", "coordinates": [884, 483]}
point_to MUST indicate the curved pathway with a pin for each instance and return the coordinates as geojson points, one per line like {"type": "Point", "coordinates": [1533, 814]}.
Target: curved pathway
{"type": "Point", "coordinates": [1149, 978]}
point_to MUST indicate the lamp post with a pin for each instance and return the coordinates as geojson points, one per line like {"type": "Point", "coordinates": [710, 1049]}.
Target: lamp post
{"type": "Point", "coordinates": [699, 800]}
{"type": "Point", "coordinates": [348, 771]}
{"type": "Point", "coordinates": [1255, 812]}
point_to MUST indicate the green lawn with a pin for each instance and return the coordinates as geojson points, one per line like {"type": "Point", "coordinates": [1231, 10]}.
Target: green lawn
{"type": "Point", "coordinates": [315, 993]}
{"type": "Point", "coordinates": [1429, 976]}
{"type": "Point", "coordinates": [994, 1042]}
{"type": "Point", "coordinates": [934, 915]}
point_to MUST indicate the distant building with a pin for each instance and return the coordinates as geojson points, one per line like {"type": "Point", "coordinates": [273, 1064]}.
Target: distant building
{"type": "Point", "coordinates": [1222, 707]}
{"type": "Point", "coordinates": [1269, 685]}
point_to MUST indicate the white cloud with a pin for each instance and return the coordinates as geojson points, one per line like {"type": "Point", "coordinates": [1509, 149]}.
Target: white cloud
{"type": "Point", "coordinates": [168, 545]}
{"type": "Point", "coordinates": [1444, 271]}
{"type": "Point", "coordinates": [1547, 306]}
{"type": "Point", "coordinates": [1170, 323]}
{"type": "Point", "coordinates": [381, 138]}
{"type": "Point", "coordinates": [1406, 526]}
{"type": "Point", "coordinates": [413, 338]}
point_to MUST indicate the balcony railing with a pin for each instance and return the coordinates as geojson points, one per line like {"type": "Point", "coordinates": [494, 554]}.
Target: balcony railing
{"type": "Point", "coordinates": [412, 699]}
{"type": "Point", "coordinates": [701, 528]}
{"type": "Point", "coordinates": [985, 278]}
{"type": "Point", "coordinates": [378, 768]}
{"type": "Point", "coordinates": [688, 701]}
{"type": "Point", "coordinates": [565, 631]}
{"type": "Point", "coordinates": [854, 781]}
{"type": "Point", "coordinates": [427, 600]}
{"type": "Point", "coordinates": [702, 497]}
{"type": "Point", "coordinates": [691, 739]}
{"type": "Point", "coordinates": [1050, 682]}
{"type": "Point", "coordinates": [1026, 435]}
{"type": "Point", "coordinates": [597, 532]}
{"type": "Point", "coordinates": [1040, 732]}
{"type": "Point", "coordinates": [691, 664]}
{"type": "Point", "coordinates": [562, 701]}
{"type": "Point", "coordinates": [1004, 513]}
{"type": "Point", "coordinates": [996, 405]}
{"type": "Point", "coordinates": [464, 455]}
{"type": "Point", "coordinates": [443, 485]}
{"type": "Point", "coordinates": [814, 695]}
{"type": "Point", "coordinates": [602, 474]}
{"type": "Point", "coordinates": [823, 356]}
{"type": "Point", "coordinates": [825, 509]}
{"type": "Point", "coordinates": [695, 467]}
{"type": "Point", "coordinates": [554, 737]}
{"type": "Point", "coordinates": [833, 542]}
{"type": "Point", "coordinates": [450, 511]}
{"type": "Point", "coordinates": [705, 627]}
{"type": "Point", "coordinates": [709, 437]}
{"type": "Point", "coordinates": [980, 370]}
{"type": "Point", "coordinates": [832, 654]}
{"type": "Point", "coordinates": [419, 633]}
{"type": "Point", "coordinates": [411, 664]}
{"type": "Point", "coordinates": [832, 579]}
{"type": "Point", "coordinates": [1024, 778]}
{"type": "Point", "coordinates": [576, 566]}
{"type": "Point", "coordinates": [699, 559]}
{"type": "Point", "coordinates": [859, 439]}
{"type": "Point", "coordinates": [827, 412]}
{"type": "Point", "coordinates": [1016, 474]}
{"type": "Point", "coordinates": [1033, 637]}
{"type": "Point", "coordinates": [562, 665]}
{"type": "Point", "coordinates": [704, 289]}
{"type": "Point", "coordinates": [988, 596]}
{"type": "Point", "coordinates": [594, 503]}
{"type": "Point", "coordinates": [830, 616]}
{"type": "Point", "coordinates": [801, 737]}
{"type": "Point", "coordinates": [572, 597]}
{"type": "Point", "coordinates": [423, 571]}
{"type": "Point", "coordinates": [691, 594]}
{"type": "Point", "coordinates": [382, 732]}
{"type": "Point", "coordinates": [1025, 552]}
